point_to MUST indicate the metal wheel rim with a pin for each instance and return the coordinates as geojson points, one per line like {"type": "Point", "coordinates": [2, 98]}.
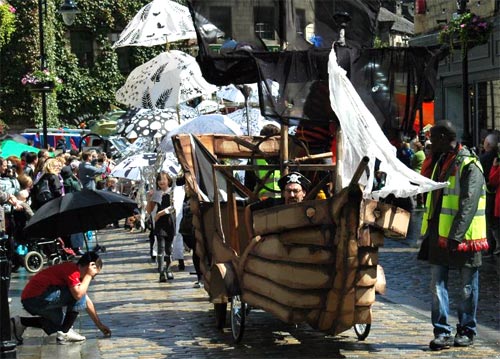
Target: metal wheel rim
{"type": "Point", "coordinates": [362, 330]}
{"type": "Point", "coordinates": [56, 260]}
{"type": "Point", "coordinates": [33, 262]}
{"type": "Point", "coordinates": [238, 314]}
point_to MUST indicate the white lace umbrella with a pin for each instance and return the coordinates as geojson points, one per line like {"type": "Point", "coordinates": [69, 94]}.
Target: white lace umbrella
{"type": "Point", "coordinates": [154, 123]}
{"type": "Point", "coordinates": [171, 164]}
{"type": "Point", "coordinates": [230, 93]}
{"type": "Point", "coordinates": [233, 94]}
{"type": "Point", "coordinates": [208, 106]}
{"type": "Point", "coordinates": [167, 80]}
{"type": "Point", "coordinates": [252, 123]}
{"type": "Point", "coordinates": [204, 124]}
{"type": "Point", "coordinates": [157, 23]}
{"type": "Point", "coordinates": [130, 167]}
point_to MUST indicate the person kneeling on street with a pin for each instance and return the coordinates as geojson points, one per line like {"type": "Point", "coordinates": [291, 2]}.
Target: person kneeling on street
{"type": "Point", "coordinates": [55, 296]}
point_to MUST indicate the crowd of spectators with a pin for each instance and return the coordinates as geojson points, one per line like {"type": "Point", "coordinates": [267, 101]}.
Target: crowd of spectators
{"type": "Point", "coordinates": [29, 181]}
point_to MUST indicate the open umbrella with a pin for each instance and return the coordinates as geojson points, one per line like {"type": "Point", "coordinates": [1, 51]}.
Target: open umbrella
{"type": "Point", "coordinates": [157, 23]}
{"type": "Point", "coordinates": [208, 106]}
{"type": "Point", "coordinates": [78, 212]}
{"type": "Point", "coordinates": [233, 94]}
{"type": "Point", "coordinates": [14, 148]}
{"type": "Point", "coordinates": [163, 21]}
{"type": "Point", "coordinates": [230, 93]}
{"type": "Point", "coordinates": [154, 122]}
{"type": "Point", "coordinates": [250, 120]}
{"type": "Point", "coordinates": [130, 167]}
{"type": "Point", "coordinates": [167, 80]}
{"type": "Point", "coordinates": [215, 123]}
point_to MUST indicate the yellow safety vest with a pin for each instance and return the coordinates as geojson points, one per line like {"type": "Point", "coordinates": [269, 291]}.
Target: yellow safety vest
{"type": "Point", "coordinates": [475, 236]}
{"type": "Point", "coordinates": [271, 182]}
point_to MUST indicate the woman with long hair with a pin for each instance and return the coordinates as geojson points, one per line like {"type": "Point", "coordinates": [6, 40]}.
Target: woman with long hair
{"type": "Point", "coordinates": [48, 186]}
{"type": "Point", "coordinates": [162, 212]}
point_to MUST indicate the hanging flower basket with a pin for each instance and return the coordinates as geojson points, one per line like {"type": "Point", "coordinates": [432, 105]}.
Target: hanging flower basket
{"type": "Point", "coordinates": [41, 81]}
{"type": "Point", "coordinates": [42, 87]}
{"type": "Point", "coordinates": [465, 31]}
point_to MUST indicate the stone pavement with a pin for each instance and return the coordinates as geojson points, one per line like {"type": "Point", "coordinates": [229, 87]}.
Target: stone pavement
{"type": "Point", "coordinates": [175, 320]}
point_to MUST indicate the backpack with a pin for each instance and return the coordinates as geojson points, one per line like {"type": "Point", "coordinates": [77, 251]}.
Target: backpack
{"type": "Point", "coordinates": [43, 193]}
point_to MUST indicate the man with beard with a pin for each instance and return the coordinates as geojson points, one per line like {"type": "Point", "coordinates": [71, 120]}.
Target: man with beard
{"type": "Point", "coordinates": [294, 187]}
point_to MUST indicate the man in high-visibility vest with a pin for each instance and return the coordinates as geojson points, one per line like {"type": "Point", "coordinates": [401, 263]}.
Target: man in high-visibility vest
{"type": "Point", "coordinates": [454, 234]}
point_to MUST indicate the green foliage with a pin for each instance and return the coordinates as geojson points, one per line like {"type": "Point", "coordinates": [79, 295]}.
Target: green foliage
{"type": "Point", "coordinates": [467, 30]}
{"type": "Point", "coordinates": [7, 23]}
{"type": "Point", "coordinates": [86, 91]}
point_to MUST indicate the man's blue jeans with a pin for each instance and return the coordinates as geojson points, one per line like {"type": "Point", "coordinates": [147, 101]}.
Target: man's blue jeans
{"type": "Point", "coordinates": [467, 304]}
{"type": "Point", "coordinates": [52, 306]}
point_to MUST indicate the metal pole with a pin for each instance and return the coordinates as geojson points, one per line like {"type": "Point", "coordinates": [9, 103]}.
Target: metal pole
{"type": "Point", "coordinates": [466, 136]}
{"type": "Point", "coordinates": [43, 66]}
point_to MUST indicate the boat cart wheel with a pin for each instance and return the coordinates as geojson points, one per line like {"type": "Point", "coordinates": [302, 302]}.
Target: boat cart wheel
{"type": "Point", "coordinates": [33, 261]}
{"type": "Point", "coordinates": [220, 310]}
{"type": "Point", "coordinates": [55, 260]}
{"type": "Point", "coordinates": [238, 315]}
{"type": "Point", "coordinates": [362, 330]}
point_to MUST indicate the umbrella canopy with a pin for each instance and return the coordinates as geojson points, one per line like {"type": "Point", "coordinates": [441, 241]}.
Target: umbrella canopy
{"type": "Point", "coordinates": [208, 106]}
{"type": "Point", "coordinates": [154, 123]}
{"type": "Point", "coordinates": [252, 123]}
{"type": "Point", "coordinates": [14, 148]}
{"type": "Point", "coordinates": [233, 94]}
{"type": "Point", "coordinates": [15, 137]}
{"type": "Point", "coordinates": [78, 212]}
{"type": "Point", "coordinates": [171, 164]}
{"type": "Point", "coordinates": [130, 167]}
{"type": "Point", "coordinates": [204, 124]}
{"type": "Point", "coordinates": [167, 80]}
{"type": "Point", "coordinates": [230, 93]}
{"type": "Point", "coordinates": [157, 23]}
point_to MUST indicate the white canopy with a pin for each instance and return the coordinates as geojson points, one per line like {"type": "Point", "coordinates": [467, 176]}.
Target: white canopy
{"type": "Point", "coordinates": [362, 136]}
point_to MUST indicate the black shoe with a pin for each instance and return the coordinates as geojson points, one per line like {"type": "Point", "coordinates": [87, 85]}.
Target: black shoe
{"type": "Point", "coordinates": [170, 275]}
{"type": "Point", "coordinates": [181, 265]}
{"type": "Point", "coordinates": [463, 340]}
{"type": "Point", "coordinates": [441, 342]}
{"type": "Point", "coordinates": [163, 278]}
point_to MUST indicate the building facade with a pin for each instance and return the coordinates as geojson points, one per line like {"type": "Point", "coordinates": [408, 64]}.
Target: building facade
{"type": "Point", "coordinates": [483, 64]}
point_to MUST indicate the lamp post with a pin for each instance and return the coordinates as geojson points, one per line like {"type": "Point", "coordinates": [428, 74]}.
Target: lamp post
{"type": "Point", "coordinates": [7, 344]}
{"type": "Point", "coordinates": [466, 135]}
{"type": "Point", "coordinates": [68, 10]}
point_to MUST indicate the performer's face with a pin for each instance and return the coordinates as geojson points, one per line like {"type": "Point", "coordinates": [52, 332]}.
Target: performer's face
{"type": "Point", "coordinates": [293, 193]}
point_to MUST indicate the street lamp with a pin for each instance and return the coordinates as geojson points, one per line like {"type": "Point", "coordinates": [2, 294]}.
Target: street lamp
{"type": "Point", "coordinates": [68, 10]}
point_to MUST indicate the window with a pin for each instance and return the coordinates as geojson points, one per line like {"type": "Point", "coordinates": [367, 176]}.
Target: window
{"type": "Point", "coordinates": [82, 45]}
{"type": "Point", "coordinates": [264, 22]}
{"type": "Point", "coordinates": [221, 17]}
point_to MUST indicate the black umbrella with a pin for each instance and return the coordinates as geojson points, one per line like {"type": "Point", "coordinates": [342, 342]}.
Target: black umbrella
{"type": "Point", "coordinates": [79, 212]}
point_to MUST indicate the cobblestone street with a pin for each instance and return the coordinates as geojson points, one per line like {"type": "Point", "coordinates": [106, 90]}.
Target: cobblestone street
{"type": "Point", "coordinates": [174, 320]}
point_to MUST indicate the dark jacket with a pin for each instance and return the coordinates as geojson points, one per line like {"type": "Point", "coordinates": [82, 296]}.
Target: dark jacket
{"type": "Point", "coordinates": [55, 186]}
{"type": "Point", "coordinates": [70, 181]}
{"type": "Point", "coordinates": [164, 226]}
{"type": "Point", "coordinates": [471, 184]}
